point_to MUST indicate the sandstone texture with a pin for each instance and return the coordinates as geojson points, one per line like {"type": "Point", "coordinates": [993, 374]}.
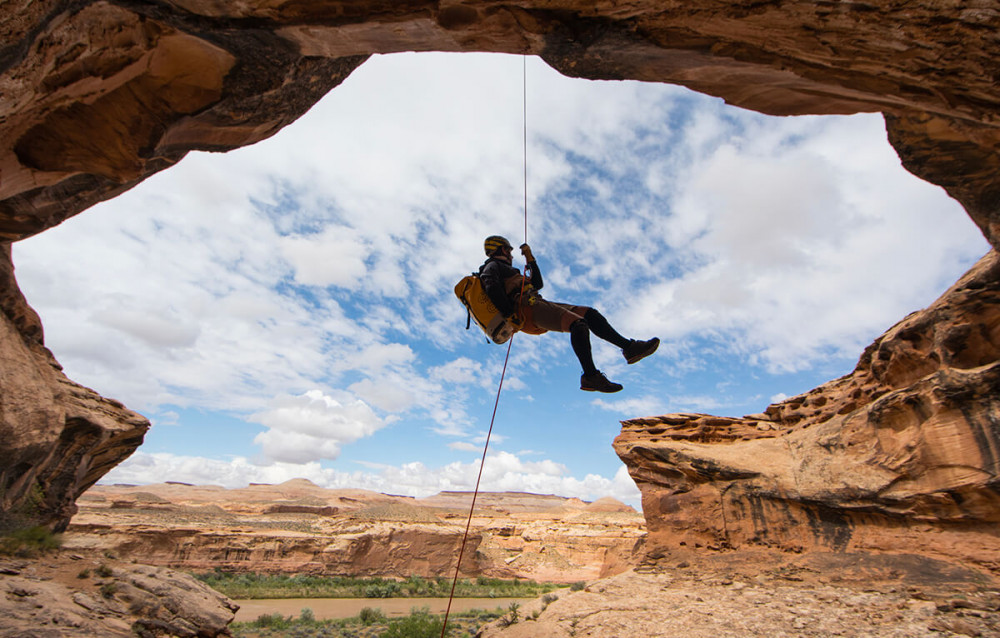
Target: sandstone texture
{"type": "Point", "coordinates": [901, 455]}
{"type": "Point", "coordinates": [97, 96]}
{"type": "Point", "coordinates": [57, 438]}
{"type": "Point", "coordinates": [299, 528]}
{"type": "Point", "coordinates": [768, 595]}
{"type": "Point", "coordinates": [77, 595]}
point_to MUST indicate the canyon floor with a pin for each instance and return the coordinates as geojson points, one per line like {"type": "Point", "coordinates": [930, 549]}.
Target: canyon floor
{"type": "Point", "coordinates": [694, 595]}
{"type": "Point", "coordinates": [763, 593]}
{"type": "Point", "coordinates": [118, 566]}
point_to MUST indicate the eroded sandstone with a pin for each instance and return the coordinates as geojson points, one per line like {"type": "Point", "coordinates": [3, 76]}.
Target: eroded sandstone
{"type": "Point", "coordinates": [297, 527]}
{"type": "Point", "coordinates": [768, 593]}
{"type": "Point", "coordinates": [69, 595]}
{"type": "Point", "coordinates": [97, 96]}
{"type": "Point", "coordinates": [901, 454]}
{"type": "Point", "coordinates": [58, 437]}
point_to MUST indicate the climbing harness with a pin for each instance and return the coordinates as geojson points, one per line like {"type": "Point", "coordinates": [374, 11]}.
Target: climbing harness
{"type": "Point", "coordinates": [509, 340]}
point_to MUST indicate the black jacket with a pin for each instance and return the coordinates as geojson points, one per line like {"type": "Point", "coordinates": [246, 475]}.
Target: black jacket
{"type": "Point", "coordinates": [495, 275]}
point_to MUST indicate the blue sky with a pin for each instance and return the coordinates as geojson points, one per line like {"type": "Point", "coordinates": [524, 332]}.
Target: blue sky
{"type": "Point", "coordinates": [286, 310]}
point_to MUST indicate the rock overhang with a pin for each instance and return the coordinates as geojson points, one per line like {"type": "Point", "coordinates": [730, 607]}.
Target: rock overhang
{"type": "Point", "coordinates": [152, 81]}
{"type": "Point", "coordinates": [95, 97]}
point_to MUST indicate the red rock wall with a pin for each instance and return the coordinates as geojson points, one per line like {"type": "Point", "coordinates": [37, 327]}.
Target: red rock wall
{"type": "Point", "coordinates": [97, 96]}
{"type": "Point", "coordinates": [901, 455]}
{"type": "Point", "coordinates": [57, 438]}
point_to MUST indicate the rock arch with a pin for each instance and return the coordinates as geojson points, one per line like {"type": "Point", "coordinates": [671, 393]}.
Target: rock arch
{"type": "Point", "coordinates": [97, 96]}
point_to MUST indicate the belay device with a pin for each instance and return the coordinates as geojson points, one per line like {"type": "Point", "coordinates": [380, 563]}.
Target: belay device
{"type": "Point", "coordinates": [471, 293]}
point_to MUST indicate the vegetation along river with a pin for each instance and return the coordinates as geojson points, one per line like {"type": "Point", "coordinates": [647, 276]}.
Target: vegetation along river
{"type": "Point", "coordinates": [327, 608]}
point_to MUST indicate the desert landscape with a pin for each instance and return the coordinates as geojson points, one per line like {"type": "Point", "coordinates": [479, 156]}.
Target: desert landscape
{"type": "Point", "coordinates": [127, 557]}
{"type": "Point", "coordinates": [299, 528]}
{"type": "Point", "coordinates": [866, 507]}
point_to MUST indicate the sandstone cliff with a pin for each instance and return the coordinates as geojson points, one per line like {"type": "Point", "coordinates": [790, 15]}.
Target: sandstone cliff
{"type": "Point", "coordinates": [57, 437]}
{"type": "Point", "coordinates": [903, 454]}
{"type": "Point", "coordinates": [97, 96]}
{"type": "Point", "coordinates": [298, 527]}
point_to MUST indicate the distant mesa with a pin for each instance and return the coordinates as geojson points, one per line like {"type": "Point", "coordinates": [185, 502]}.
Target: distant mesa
{"type": "Point", "coordinates": [531, 537]}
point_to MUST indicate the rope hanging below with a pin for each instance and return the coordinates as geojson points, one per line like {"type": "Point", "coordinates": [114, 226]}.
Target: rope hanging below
{"type": "Point", "coordinates": [503, 373]}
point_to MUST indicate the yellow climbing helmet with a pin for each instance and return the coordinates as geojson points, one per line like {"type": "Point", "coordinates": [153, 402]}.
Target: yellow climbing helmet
{"type": "Point", "coordinates": [494, 243]}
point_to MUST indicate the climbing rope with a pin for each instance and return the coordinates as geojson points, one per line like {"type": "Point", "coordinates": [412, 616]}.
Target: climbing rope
{"type": "Point", "coordinates": [524, 138]}
{"type": "Point", "coordinates": [475, 493]}
{"type": "Point", "coordinates": [510, 342]}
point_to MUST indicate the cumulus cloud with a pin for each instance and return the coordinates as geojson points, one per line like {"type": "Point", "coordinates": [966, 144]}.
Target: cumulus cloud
{"type": "Point", "coordinates": [325, 257]}
{"type": "Point", "coordinates": [313, 426]}
{"type": "Point", "coordinates": [502, 472]}
{"type": "Point", "coordinates": [334, 257]}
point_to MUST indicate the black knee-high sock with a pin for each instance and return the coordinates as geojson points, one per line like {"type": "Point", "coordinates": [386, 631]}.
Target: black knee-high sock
{"type": "Point", "coordinates": [579, 337]}
{"type": "Point", "coordinates": [600, 327]}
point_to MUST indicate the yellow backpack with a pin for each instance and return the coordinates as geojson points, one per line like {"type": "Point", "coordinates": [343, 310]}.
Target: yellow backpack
{"type": "Point", "coordinates": [471, 293]}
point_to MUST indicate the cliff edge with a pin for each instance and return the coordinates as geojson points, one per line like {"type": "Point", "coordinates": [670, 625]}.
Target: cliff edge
{"type": "Point", "coordinates": [901, 455]}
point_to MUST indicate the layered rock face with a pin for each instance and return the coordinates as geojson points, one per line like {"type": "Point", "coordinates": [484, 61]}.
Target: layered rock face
{"type": "Point", "coordinates": [97, 96]}
{"type": "Point", "coordinates": [298, 527]}
{"type": "Point", "coordinates": [901, 455]}
{"type": "Point", "coordinates": [74, 595]}
{"type": "Point", "coordinates": [57, 437]}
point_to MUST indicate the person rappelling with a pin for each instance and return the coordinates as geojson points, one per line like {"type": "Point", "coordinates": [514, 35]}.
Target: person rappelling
{"type": "Point", "coordinates": [517, 305]}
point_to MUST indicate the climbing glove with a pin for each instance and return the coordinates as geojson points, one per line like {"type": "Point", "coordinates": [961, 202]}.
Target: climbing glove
{"type": "Point", "coordinates": [526, 251]}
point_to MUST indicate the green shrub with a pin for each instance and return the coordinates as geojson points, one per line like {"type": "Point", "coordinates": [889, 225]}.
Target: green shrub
{"type": "Point", "coordinates": [386, 589]}
{"type": "Point", "coordinates": [512, 616]}
{"type": "Point", "coordinates": [274, 620]}
{"type": "Point", "coordinates": [251, 585]}
{"type": "Point", "coordinates": [29, 541]}
{"type": "Point", "coordinates": [419, 624]}
{"type": "Point", "coordinates": [369, 616]}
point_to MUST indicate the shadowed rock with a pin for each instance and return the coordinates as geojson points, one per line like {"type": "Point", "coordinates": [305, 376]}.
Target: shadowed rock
{"type": "Point", "coordinates": [97, 96]}
{"type": "Point", "coordinates": [57, 437]}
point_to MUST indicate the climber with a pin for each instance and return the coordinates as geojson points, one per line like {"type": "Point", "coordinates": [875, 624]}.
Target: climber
{"type": "Point", "coordinates": [516, 297]}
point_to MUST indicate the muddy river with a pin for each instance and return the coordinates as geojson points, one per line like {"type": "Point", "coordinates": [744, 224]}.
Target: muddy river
{"type": "Point", "coordinates": [324, 608]}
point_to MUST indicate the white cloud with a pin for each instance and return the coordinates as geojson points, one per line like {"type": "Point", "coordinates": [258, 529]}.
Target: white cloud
{"type": "Point", "coordinates": [796, 243]}
{"type": "Point", "coordinates": [632, 406]}
{"type": "Point", "coordinates": [503, 472]}
{"type": "Point", "coordinates": [325, 257]}
{"type": "Point", "coordinates": [313, 426]}
{"type": "Point", "coordinates": [334, 257]}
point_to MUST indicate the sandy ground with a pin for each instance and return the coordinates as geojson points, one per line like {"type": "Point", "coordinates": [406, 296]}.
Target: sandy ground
{"type": "Point", "coordinates": [760, 594]}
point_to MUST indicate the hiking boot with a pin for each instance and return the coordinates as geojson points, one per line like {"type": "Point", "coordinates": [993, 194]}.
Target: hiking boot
{"type": "Point", "coordinates": [637, 350]}
{"type": "Point", "coordinates": [597, 382]}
